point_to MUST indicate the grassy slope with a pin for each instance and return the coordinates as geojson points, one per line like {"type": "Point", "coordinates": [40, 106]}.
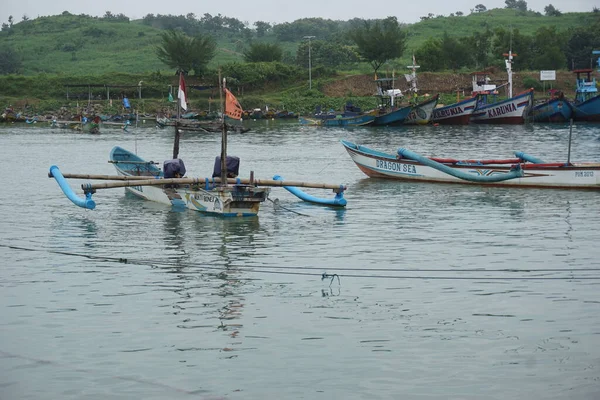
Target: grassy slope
{"type": "Point", "coordinates": [63, 44]}
{"type": "Point", "coordinates": [527, 23]}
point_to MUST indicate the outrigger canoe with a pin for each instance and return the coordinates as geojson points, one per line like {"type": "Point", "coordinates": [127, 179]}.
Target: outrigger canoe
{"type": "Point", "coordinates": [522, 171]}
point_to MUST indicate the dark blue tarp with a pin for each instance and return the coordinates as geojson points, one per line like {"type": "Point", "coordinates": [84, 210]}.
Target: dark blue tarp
{"type": "Point", "coordinates": [233, 166]}
{"type": "Point", "coordinates": [173, 168]}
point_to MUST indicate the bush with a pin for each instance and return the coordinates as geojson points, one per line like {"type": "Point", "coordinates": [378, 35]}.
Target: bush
{"type": "Point", "coordinates": [530, 82]}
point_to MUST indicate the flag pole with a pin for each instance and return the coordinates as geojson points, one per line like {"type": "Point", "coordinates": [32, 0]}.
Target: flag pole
{"type": "Point", "coordinates": [224, 132]}
{"type": "Point", "coordinates": [177, 134]}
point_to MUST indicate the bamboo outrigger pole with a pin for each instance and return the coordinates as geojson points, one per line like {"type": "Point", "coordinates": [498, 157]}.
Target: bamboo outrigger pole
{"type": "Point", "coordinates": [204, 181]}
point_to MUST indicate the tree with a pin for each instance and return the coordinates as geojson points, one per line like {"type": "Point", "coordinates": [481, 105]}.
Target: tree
{"type": "Point", "coordinates": [580, 45]}
{"type": "Point", "coordinates": [10, 61]}
{"type": "Point", "coordinates": [550, 11]}
{"type": "Point", "coordinates": [379, 41]}
{"type": "Point", "coordinates": [480, 8]}
{"type": "Point", "coordinates": [185, 53]}
{"type": "Point", "coordinates": [262, 28]}
{"type": "Point", "coordinates": [459, 14]}
{"type": "Point", "coordinates": [430, 54]}
{"type": "Point", "coordinates": [520, 5]}
{"type": "Point", "coordinates": [548, 49]}
{"type": "Point", "coordinates": [263, 52]}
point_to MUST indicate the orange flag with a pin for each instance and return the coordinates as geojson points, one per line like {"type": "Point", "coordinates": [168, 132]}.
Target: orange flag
{"type": "Point", "coordinates": [232, 106]}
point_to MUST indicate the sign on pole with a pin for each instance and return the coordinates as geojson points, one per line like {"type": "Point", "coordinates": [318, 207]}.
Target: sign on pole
{"type": "Point", "coordinates": [547, 75]}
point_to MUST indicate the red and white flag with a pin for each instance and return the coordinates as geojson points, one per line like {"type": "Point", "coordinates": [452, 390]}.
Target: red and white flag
{"type": "Point", "coordinates": [182, 94]}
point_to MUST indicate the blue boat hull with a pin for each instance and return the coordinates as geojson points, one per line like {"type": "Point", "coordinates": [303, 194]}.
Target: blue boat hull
{"type": "Point", "coordinates": [588, 110]}
{"type": "Point", "coordinates": [553, 110]}
{"type": "Point", "coordinates": [349, 121]}
{"type": "Point", "coordinates": [393, 117]}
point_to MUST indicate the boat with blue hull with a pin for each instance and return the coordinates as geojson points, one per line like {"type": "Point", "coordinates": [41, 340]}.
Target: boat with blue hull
{"type": "Point", "coordinates": [557, 109]}
{"type": "Point", "coordinates": [389, 111]}
{"type": "Point", "coordinates": [586, 106]}
{"type": "Point", "coordinates": [340, 120]}
{"type": "Point", "coordinates": [392, 116]}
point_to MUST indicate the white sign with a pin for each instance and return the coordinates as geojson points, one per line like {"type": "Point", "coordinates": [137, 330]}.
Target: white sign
{"type": "Point", "coordinates": [547, 75]}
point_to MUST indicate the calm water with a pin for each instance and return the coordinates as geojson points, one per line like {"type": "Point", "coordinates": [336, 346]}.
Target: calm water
{"type": "Point", "coordinates": [445, 291]}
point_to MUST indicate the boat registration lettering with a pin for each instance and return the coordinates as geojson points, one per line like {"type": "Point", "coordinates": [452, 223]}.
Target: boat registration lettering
{"type": "Point", "coordinates": [505, 109]}
{"type": "Point", "coordinates": [584, 174]}
{"type": "Point", "coordinates": [396, 167]}
{"type": "Point", "coordinates": [138, 188]}
{"type": "Point", "coordinates": [205, 198]}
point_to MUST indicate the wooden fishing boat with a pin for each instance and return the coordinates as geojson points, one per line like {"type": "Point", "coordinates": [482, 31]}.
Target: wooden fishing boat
{"type": "Point", "coordinates": [556, 109]}
{"type": "Point", "coordinates": [586, 106]}
{"type": "Point", "coordinates": [489, 109]}
{"type": "Point", "coordinates": [513, 110]}
{"type": "Point", "coordinates": [421, 113]}
{"type": "Point", "coordinates": [458, 113]}
{"type": "Point", "coordinates": [522, 171]}
{"type": "Point", "coordinates": [389, 112]}
{"type": "Point", "coordinates": [340, 120]}
{"type": "Point", "coordinates": [222, 194]}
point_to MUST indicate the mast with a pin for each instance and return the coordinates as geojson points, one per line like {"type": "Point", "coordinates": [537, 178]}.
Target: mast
{"type": "Point", "coordinates": [508, 63]}
{"type": "Point", "coordinates": [413, 76]}
{"type": "Point", "coordinates": [177, 134]}
{"type": "Point", "coordinates": [224, 132]}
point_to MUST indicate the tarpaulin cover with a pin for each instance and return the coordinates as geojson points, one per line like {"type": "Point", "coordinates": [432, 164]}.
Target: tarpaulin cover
{"type": "Point", "coordinates": [173, 167]}
{"type": "Point", "coordinates": [233, 166]}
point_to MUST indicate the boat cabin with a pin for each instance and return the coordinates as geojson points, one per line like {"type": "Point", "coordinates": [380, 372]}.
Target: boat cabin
{"type": "Point", "coordinates": [586, 85]}
{"type": "Point", "coordinates": [386, 92]}
{"type": "Point", "coordinates": [482, 84]}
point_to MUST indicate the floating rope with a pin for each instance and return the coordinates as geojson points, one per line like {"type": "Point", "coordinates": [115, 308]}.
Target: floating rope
{"type": "Point", "coordinates": [298, 270]}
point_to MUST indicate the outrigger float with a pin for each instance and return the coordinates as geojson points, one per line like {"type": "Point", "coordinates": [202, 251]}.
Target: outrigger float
{"type": "Point", "coordinates": [223, 193]}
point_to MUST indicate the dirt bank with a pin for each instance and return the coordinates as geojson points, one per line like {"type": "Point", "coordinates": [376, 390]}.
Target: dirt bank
{"type": "Point", "coordinates": [429, 82]}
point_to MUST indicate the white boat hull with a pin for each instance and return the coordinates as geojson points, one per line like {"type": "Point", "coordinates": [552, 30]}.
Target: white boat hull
{"type": "Point", "coordinates": [380, 165]}
{"type": "Point", "coordinates": [421, 114]}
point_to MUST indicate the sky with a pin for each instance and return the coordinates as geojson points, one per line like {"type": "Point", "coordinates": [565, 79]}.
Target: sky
{"type": "Point", "coordinates": [273, 11]}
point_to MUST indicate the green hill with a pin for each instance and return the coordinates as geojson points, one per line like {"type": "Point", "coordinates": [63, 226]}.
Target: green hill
{"type": "Point", "coordinates": [75, 45]}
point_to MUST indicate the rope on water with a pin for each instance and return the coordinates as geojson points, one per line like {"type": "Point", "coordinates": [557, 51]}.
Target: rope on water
{"type": "Point", "coordinates": [282, 270]}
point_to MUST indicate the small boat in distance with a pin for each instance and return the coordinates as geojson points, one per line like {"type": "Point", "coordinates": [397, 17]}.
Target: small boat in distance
{"type": "Point", "coordinates": [586, 106]}
{"type": "Point", "coordinates": [351, 116]}
{"type": "Point", "coordinates": [422, 113]}
{"type": "Point", "coordinates": [490, 110]}
{"type": "Point", "coordinates": [458, 113]}
{"type": "Point", "coordinates": [556, 109]}
{"type": "Point", "coordinates": [389, 112]}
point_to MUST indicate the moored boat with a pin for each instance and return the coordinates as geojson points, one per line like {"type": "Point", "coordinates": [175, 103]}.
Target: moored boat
{"type": "Point", "coordinates": [389, 112]}
{"type": "Point", "coordinates": [586, 106]}
{"type": "Point", "coordinates": [522, 171]}
{"type": "Point", "coordinates": [556, 109]}
{"type": "Point", "coordinates": [513, 110]}
{"type": "Point", "coordinates": [422, 113]}
{"type": "Point", "coordinates": [490, 110]}
{"type": "Point", "coordinates": [458, 113]}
